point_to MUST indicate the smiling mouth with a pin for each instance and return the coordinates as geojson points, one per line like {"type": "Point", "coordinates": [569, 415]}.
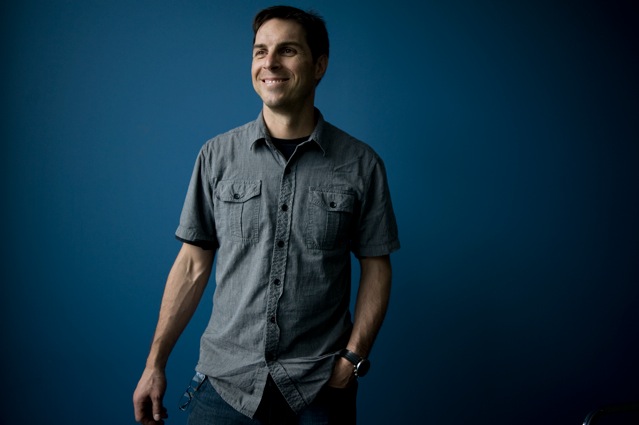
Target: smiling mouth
{"type": "Point", "coordinates": [273, 81]}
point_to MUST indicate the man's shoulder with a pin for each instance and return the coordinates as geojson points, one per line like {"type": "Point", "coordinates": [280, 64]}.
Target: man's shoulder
{"type": "Point", "coordinates": [244, 134]}
{"type": "Point", "coordinates": [249, 129]}
{"type": "Point", "coordinates": [345, 143]}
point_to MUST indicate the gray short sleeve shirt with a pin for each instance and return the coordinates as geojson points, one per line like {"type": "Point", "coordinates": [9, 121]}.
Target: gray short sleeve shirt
{"type": "Point", "coordinates": [284, 231]}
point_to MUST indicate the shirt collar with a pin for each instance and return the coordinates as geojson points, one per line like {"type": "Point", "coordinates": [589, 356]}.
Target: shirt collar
{"type": "Point", "coordinates": [258, 132]}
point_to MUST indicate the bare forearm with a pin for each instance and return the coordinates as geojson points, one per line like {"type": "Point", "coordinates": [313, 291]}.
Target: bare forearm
{"type": "Point", "coordinates": [372, 301]}
{"type": "Point", "coordinates": [184, 288]}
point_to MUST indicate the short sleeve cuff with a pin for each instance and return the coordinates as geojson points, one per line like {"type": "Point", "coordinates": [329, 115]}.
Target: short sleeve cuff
{"type": "Point", "coordinates": [377, 250]}
{"type": "Point", "coordinates": [192, 237]}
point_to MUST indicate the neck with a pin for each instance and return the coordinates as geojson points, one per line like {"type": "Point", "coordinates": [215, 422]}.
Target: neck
{"type": "Point", "coordinates": [286, 125]}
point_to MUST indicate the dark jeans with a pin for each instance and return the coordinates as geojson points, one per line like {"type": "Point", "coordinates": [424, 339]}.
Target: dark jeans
{"type": "Point", "coordinates": [333, 406]}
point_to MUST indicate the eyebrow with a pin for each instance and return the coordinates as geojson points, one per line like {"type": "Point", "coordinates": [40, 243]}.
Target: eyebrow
{"type": "Point", "coordinates": [278, 45]}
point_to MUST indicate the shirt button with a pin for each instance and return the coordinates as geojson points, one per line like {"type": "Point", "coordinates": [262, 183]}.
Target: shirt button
{"type": "Point", "coordinates": [333, 205]}
{"type": "Point", "coordinates": [284, 207]}
{"type": "Point", "coordinates": [280, 244]}
{"type": "Point", "coordinates": [236, 196]}
{"type": "Point", "coordinates": [276, 282]}
{"type": "Point", "coordinates": [272, 319]}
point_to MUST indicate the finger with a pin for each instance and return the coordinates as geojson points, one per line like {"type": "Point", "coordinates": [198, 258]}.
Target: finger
{"type": "Point", "coordinates": [163, 415]}
{"type": "Point", "coordinates": [141, 411]}
{"type": "Point", "coordinates": [159, 411]}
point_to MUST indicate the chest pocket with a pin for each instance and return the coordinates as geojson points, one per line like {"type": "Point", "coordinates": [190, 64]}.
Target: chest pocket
{"type": "Point", "coordinates": [328, 218]}
{"type": "Point", "coordinates": [237, 210]}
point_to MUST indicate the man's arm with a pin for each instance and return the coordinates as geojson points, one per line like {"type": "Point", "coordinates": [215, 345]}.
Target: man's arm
{"type": "Point", "coordinates": [370, 309]}
{"type": "Point", "coordinates": [184, 288]}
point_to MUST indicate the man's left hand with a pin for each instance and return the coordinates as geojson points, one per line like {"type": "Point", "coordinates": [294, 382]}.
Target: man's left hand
{"type": "Point", "coordinates": [343, 375]}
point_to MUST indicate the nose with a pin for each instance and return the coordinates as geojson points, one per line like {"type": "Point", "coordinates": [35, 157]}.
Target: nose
{"type": "Point", "coordinates": [271, 61]}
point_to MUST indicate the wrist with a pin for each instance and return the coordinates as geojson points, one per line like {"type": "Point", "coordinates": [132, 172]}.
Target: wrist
{"type": "Point", "coordinates": [359, 364]}
{"type": "Point", "coordinates": [156, 363]}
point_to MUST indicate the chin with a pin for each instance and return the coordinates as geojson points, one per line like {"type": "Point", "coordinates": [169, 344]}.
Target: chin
{"type": "Point", "coordinates": [275, 104]}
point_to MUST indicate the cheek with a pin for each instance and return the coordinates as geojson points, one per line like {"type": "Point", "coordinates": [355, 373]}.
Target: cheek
{"type": "Point", "coordinates": [255, 69]}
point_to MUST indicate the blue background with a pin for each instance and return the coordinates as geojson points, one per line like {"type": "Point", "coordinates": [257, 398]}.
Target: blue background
{"type": "Point", "coordinates": [510, 131]}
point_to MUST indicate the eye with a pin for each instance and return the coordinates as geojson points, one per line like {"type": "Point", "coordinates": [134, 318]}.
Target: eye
{"type": "Point", "coordinates": [288, 51]}
{"type": "Point", "coordinates": [259, 53]}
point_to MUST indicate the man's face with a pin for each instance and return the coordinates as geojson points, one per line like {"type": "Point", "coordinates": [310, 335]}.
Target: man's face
{"type": "Point", "coordinates": [283, 71]}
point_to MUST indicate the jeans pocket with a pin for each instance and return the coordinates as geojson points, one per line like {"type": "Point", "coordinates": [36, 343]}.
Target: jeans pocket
{"type": "Point", "coordinates": [194, 386]}
{"type": "Point", "coordinates": [343, 392]}
{"type": "Point", "coordinates": [341, 404]}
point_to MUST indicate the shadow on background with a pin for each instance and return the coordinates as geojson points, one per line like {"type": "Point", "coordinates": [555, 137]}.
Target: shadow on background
{"type": "Point", "coordinates": [510, 131]}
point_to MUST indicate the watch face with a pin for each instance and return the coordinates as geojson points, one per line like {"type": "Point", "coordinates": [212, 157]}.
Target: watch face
{"type": "Point", "coordinates": [363, 367]}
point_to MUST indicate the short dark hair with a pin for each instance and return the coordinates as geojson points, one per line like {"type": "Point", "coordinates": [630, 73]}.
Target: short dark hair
{"type": "Point", "coordinates": [311, 21]}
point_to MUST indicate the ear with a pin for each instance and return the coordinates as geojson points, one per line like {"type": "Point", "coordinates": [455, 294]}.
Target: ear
{"type": "Point", "coordinates": [320, 67]}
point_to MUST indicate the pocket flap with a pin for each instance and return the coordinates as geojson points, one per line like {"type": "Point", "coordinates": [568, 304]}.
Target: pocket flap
{"type": "Point", "coordinates": [237, 191]}
{"type": "Point", "coordinates": [333, 201]}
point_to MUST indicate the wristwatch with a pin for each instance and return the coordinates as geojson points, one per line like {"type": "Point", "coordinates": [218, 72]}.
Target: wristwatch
{"type": "Point", "coordinates": [360, 364]}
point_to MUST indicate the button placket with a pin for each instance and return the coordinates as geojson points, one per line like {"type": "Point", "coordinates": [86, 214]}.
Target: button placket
{"type": "Point", "coordinates": [278, 262]}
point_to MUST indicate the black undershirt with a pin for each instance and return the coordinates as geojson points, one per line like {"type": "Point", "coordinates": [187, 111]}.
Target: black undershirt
{"type": "Point", "coordinates": [287, 146]}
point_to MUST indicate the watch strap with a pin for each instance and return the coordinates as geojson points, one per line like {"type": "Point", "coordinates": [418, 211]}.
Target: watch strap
{"type": "Point", "coordinates": [351, 356]}
{"type": "Point", "coordinates": [360, 364]}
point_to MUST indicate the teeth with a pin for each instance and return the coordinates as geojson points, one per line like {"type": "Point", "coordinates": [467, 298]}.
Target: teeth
{"type": "Point", "coordinates": [274, 81]}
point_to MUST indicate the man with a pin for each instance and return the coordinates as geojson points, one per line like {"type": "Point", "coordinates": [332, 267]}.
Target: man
{"type": "Point", "coordinates": [283, 201]}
